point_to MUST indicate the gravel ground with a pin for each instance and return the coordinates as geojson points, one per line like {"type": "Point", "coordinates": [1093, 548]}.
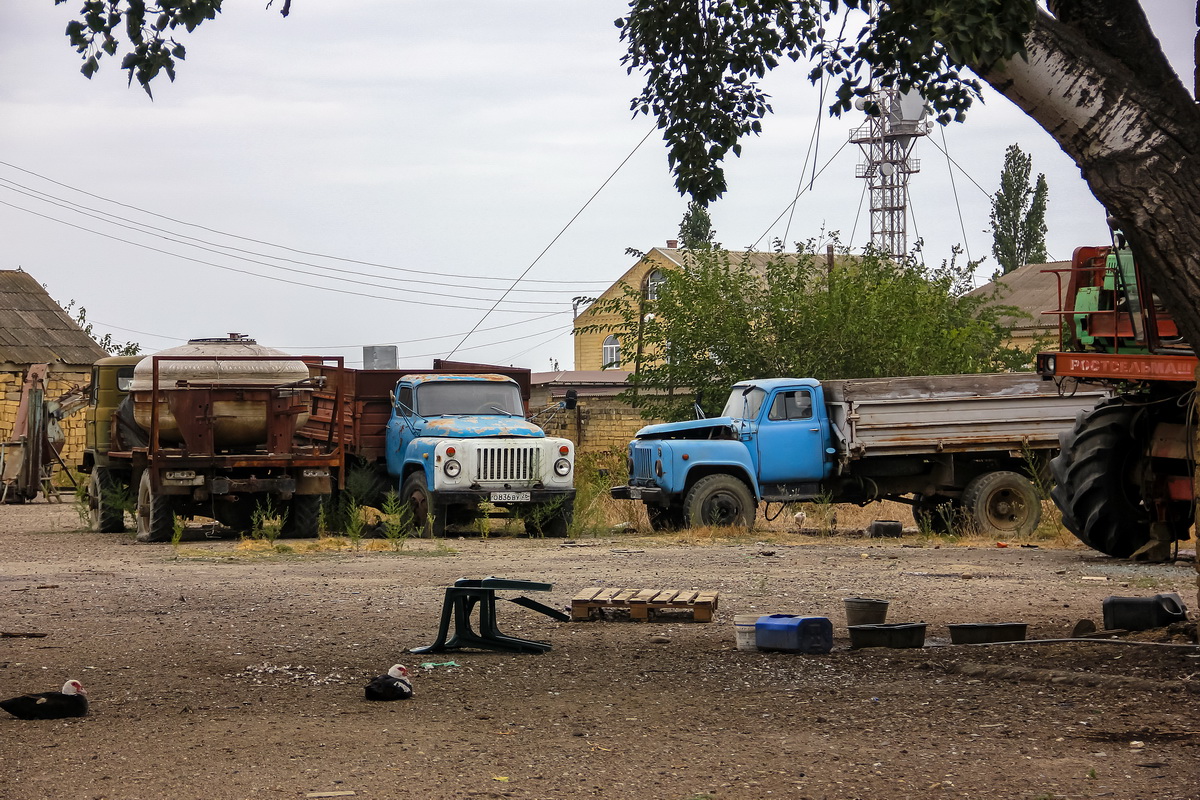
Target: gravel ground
{"type": "Point", "coordinates": [219, 671]}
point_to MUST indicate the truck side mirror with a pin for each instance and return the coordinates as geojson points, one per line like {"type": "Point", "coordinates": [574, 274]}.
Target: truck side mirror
{"type": "Point", "coordinates": [572, 399]}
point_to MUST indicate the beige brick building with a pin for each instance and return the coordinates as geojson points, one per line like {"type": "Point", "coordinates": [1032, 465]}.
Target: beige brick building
{"type": "Point", "coordinates": [35, 330]}
{"type": "Point", "coordinates": [600, 421]}
{"type": "Point", "coordinates": [601, 350]}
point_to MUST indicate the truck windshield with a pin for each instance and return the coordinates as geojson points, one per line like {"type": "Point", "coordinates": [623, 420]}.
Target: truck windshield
{"type": "Point", "coordinates": [468, 397]}
{"type": "Point", "coordinates": [742, 404]}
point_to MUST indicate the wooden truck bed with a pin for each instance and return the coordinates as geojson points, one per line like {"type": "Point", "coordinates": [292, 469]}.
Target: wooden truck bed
{"type": "Point", "coordinates": [367, 402]}
{"type": "Point", "coordinates": [951, 413]}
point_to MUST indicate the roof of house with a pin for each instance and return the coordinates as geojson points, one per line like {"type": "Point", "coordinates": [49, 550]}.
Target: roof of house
{"type": "Point", "coordinates": [1032, 288]}
{"type": "Point", "coordinates": [35, 330]}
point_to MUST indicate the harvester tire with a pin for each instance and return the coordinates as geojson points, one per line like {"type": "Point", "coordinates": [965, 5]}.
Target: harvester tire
{"type": "Point", "coordinates": [1100, 503]}
{"type": "Point", "coordinates": [155, 514]}
{"type": "Point", "coordinates": [105, 511]}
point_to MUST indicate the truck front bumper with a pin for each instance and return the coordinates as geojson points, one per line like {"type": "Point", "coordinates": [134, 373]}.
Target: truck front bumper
{"type": "Point", "coordinates": [652, 495]}
{"type": "Point", "coordinates": [472, 497]}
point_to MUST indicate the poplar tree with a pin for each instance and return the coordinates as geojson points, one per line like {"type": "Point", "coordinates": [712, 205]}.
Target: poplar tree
{"type": "Point", "coordinates": [1019, 214]}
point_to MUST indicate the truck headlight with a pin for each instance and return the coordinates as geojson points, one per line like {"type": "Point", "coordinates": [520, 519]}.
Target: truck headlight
{"type": "Point", "coordinates": [562, 467]}
{"type": "Point", "coordinates": [452, 468]}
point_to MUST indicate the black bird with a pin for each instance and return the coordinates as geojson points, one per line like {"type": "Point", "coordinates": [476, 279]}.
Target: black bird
{"type": "Point", "coordinates": [396, 685]}
{"type": "Point", "coordinates": [70, 702]}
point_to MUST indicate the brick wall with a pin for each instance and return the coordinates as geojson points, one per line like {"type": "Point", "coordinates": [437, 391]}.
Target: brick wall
{"type": "Point", "coordinates": [597, 424]}
{"type": "Point", "coordinates": [61, 380]}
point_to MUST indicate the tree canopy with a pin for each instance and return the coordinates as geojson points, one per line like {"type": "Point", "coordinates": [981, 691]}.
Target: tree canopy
{"type": "Point", "coordinates": [727, 316]}
{"type": "Point", "coordinates": [1090, 72]}
{"type": "Point", "coordinates": [1019, 214]}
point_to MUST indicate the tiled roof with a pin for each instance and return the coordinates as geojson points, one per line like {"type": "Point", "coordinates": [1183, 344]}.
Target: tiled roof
{"type": "Point", "coordinates": [35, 330]}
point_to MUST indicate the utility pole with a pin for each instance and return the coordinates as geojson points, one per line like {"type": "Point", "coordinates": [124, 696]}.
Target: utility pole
{"type": "Point", "coordinates": [887, 141]}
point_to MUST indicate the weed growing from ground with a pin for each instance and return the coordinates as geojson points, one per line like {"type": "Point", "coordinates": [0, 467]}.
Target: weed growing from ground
{"type": "Point", "coordinates": [397, 521]}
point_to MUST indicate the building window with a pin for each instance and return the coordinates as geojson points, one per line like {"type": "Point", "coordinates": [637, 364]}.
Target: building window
{"type": "Point", "coordinates": [610, 353]}
{"type": "Point", "coordinates": [653, 281]}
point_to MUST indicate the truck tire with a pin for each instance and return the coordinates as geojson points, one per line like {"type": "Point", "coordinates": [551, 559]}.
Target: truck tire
{"type": "Point", "coordinates": [1100, 503]}
{"type": "Point", "coordinates": [936, 513]}
{"type": "Point", "coordinates": [304, 516]}
{"type": "Point", "coordinates": [155, 515]}
{"type": "Point", "coordinates": [557, 522]}
{"type": "Point", "coordinates": [428, 517]}
{"type": "Point", "coordinates": [1002, 503]}
{"type": "Point", "coordinates": [665, 519]}
{"type": "Point", "coordinates": [720, 501]}
{"type": "Point", "coordinates": [106, 514]}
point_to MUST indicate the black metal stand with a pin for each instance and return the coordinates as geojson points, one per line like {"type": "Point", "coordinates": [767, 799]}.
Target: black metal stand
{"type": "Point", "coordinates": [462, 598]}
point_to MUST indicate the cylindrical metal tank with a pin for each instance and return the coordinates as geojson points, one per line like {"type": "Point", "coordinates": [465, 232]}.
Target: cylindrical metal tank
{"type": "Point", "coordinates": [238, 423]}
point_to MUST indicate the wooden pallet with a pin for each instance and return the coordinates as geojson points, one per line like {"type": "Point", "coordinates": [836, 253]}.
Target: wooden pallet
{"type": "Point", "coordinates": [641, 602]}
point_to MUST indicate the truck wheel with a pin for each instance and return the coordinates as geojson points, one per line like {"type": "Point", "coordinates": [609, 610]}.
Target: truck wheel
{"type": "Point", "coordinates": [936, 513]}
{"type": "Point", "coordinates": [1100, 502]}
{"type": "Point", "coordinates": [556, 522]}
{"type": "Point", "coordinates": [665, 519]}
{"type": "Point", "coordinates": [155, 516]}
{"type": "Point", "coordinates": [720, 501]}
{"type": "Point", "coordinates": [1002, 503]}
{"type": "Point", "coordinates": [304, 516]}
{"type": "Point", "coordinates": [105, 511]}
{"type": "Point", "coordinates": [427, 516]}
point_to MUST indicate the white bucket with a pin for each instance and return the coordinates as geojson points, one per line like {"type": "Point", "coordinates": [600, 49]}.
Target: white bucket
{"type": "Point", "coordinates": [744, 631]}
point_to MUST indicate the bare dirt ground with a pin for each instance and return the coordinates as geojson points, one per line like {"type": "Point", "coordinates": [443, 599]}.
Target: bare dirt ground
{"type": "Point", "coordinates": [217, 672]}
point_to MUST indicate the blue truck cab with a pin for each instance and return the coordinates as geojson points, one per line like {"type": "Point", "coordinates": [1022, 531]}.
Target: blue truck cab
{"type": "Point", "coordinates": [460, 446]}
{"type": "Point", "coordinates": [773, 440]}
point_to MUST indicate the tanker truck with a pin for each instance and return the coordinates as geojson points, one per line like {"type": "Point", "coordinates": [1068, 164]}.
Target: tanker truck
{"type": "Point", "coordinates": [204, 429]}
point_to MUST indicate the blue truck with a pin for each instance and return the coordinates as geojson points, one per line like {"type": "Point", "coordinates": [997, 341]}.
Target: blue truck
{"type": "Point", "coordinates": [956, 448]}
{"type": "Point", "coordinates": [453, 442]}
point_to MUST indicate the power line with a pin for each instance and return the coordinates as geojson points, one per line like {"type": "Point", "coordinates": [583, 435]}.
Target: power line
{"type": "Point", "coordinates": [375, 296]}
{"type": "Point", "coordinates": [557, 236]}
{"type": "Point", "coordinates": [337, 346]}
{"type": "Point", "coordinates": [279, 246]}
{"type": "Point", "coordinates": [190, 241]}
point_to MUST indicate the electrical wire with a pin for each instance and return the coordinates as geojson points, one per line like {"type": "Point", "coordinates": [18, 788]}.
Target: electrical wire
{"type": "Point", "coordinates": [954, 187]}
{"type": "Point", "coordinates": [375, 296]}
{"type": "Point", "coordinates": [279, 246]}
{"type": "Point", "coordinates": [190, 241]}
{"type": "Point", "coordinates": [340, 346]}
{"type": "Point", "coordinates": [557, 236]}
{"type": "Point", "coordinates": [795, 199]}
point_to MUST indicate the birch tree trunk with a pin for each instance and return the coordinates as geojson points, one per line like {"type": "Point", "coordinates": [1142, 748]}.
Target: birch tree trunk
{"type": "Point", "coordinates": [1109, 97]}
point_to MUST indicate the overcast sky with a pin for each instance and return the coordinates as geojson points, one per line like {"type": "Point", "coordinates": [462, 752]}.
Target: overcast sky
{"type": "Point", "coordinates": [371, 172]}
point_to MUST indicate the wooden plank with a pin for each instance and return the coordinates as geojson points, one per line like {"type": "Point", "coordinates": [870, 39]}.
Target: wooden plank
{"type": "Point", "coordinates": [644, 596]}
{"type": "Point", "coordinates": [665, 596]}
{"type": "Point", "coordinates": [605, 596]}
{"type": "Point", "coordinates": [622, 597]}
{"type": "Point", "coordinates": [686, 597]}
{"type": "Point", "coordinates": [586, 594]}
{"type": "Point", "coordinates": [707, 597]}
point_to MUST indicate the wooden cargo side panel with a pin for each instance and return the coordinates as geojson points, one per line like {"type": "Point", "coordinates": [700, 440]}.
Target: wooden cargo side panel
{"type": "Point", "coordinates": [953, 413]}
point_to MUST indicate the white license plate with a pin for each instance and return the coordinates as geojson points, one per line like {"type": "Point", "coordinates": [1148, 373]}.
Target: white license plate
{"type": "Point", "coordinates": [510, 497]}
{"type": "Point", "coordinates": [635, 493]}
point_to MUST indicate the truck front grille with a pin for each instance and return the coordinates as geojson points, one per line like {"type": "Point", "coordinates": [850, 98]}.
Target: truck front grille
{"type": "Point", "coordinates": [643, 463]}
{"type": "Point", "coordinates": [507, 463]}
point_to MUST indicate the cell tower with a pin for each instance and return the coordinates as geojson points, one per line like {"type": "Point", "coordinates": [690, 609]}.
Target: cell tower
{"type": "Point", "coordinates": [887, 141]}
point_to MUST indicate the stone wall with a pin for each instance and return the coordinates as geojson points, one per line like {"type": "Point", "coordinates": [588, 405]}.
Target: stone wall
{"type": "Point", "coordinates": [61, 380]}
